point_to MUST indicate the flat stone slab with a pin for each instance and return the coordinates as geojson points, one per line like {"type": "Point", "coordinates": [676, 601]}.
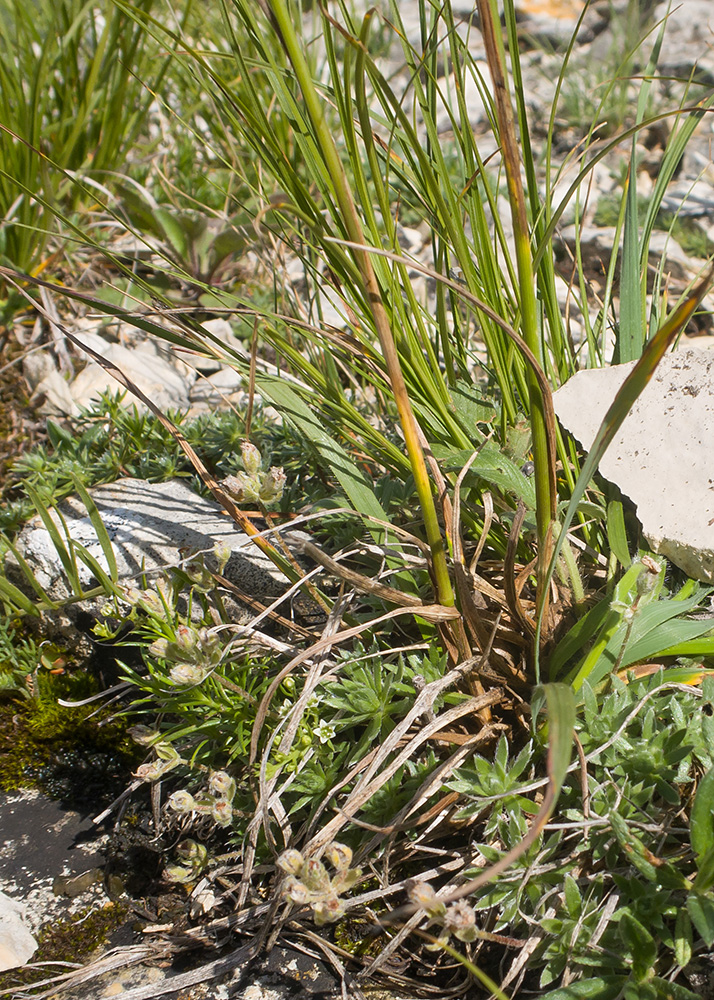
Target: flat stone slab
{"type": "Point", "coordinates": [663, 455]}
{"type": "Point", "coordinates": [150, 526]}
{"type": "Point", "coordinates": [17, 945]}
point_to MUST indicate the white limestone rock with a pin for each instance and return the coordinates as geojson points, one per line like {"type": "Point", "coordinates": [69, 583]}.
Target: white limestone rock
{"type": "Point", "coordinates": [159, 374]}
{"type": "Point", "coordinates": [689, 39]}
{"type": "Point", "coordinates": [149, 525]}
{"type": "Point", "coordinates": [17, 945]}
{"type": "Point", "coordinates": [663, 455]}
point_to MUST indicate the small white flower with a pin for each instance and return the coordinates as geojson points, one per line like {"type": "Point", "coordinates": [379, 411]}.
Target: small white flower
{"type": "Point", "coordinates": [324, 732]}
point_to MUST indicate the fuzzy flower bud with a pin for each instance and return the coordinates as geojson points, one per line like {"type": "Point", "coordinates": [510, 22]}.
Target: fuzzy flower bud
{"type": "Point", "coordinates": [190, 850]}
{"type": "Point", "coordinates": [327, 911]}
{"type": "Point", "coordinates": [295, 891]}
{"type": "Point", "coordinates": [222, 812]}
{"type": "Point", "coordinates": [339, 856]}
{"type": "Point", "coordinates": [422, 894]}
{"type": "Point", "coordinates": [185, 639]}
{"type": "Point", "coordinates": [155, 769]}
{"type": "Point", "coordinates": [647, 581]}
{"type": "Point", "coordinates": [460, 920]}
{"type": "Point", "coordinates": [271, 489]}
{"type": "Point", "coordinates": [222, 785]}
{"type": "Point", "coordinates": [291, 862]}
{"type": "Point", "coordinates": [252, 459]}
{"type": "Point", "coordinates": [159, 649]}
{"type": "Point", "coordinates": [187, 673]}
{"type": "Point", "coordinates": [314, 876]}
{"type": "Point", "coordinates": [179, 874]}
{"type": "Point", "coordinates": [222, 553]}
{"type": "Point", "coordinates": [182, 802]}
{"type": "Point", "coordinates": [143, 735]}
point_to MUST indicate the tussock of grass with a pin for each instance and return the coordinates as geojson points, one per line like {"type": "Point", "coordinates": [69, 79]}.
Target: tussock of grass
{"type": "Point", "coordinates": [407, 729]}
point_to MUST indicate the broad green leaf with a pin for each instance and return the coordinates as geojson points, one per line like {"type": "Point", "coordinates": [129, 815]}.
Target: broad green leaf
{"type": "Point", "coordinates": [471, 408]}
{"type": "Point", "coordinates": [701, 820]}
{"type": "Point", "coordinates": [665, 990]}
{"type": "Point", "coordinates": [592, 988]}
{"type": "Point", "coordinates": [492, 465]}
{"type": "Point", "coordinates": [632, 846]}
{"type": "Point", "coordinates": [573, 899]}
{"type": "Point", "coordinates": [671, 635]}
{"type": "Point", "coordinates": [703, 646]}
{"type": "Point", "coordinates": [578, 637]}
{"type": "Point", "coordinates": [174, 231]}
{"type": "Point", "coordinates": [701, 910]}
{"type": "Point", "coordinates": [639, 943]}
{"type": "Point", "coordinates": [631, 332]}
{"type": "Point", "coordinates": [616, 534]}
{"type": "Point", "coordinates": [560, 706]}
{"type": "Point", "coordinates": [683, 939]}
{"type": "Point", "coordinates": [352, 481]}
{"type": "Point", "coordinates": [705, 872]}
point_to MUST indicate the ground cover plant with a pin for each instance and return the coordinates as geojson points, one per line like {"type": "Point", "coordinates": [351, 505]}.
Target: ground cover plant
{"type": "Point", "coordinates": [482, 611]}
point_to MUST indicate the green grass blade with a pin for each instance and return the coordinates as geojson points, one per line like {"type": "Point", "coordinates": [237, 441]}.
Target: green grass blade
{"type": "Point", "coordinates": [42, 594]}
{"type": "Point", "coordinates": [701, 820]}
{"type": "Point", "coordinates": [63, 546]}
{"type": "Point", "coordinates": [616, 533]}
{"type": "Point", "coordinates": [15, 600]}
{"type": "Point", "coordinates": [98, 525]}
{"type": "Point", "coordinates": [631, 332]}
{"type": "Point", "coordinates": [353, 482]}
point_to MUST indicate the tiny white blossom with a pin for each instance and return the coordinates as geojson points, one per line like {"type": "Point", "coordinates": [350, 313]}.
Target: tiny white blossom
{"type": "Point", "coordinates": [324, 732]}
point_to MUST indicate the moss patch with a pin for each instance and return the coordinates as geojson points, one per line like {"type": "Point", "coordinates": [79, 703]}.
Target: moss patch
{"type": "Point", "coordinates": [71, 940]}
{"type": "Point", "coordinates": [63, 752]}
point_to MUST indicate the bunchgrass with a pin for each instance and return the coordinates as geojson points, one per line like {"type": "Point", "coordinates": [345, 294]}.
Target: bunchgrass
{"type": "Point", "coordinates": [451, 511]}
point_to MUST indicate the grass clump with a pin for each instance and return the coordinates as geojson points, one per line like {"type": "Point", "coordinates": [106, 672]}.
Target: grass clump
{"type": "Point", "coordinates": [482, 608]}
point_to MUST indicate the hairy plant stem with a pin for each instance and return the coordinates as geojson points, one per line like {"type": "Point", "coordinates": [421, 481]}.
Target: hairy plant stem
{"type": "Point", "coordinates": [281, 18]}
{"type": "Point", "coordinates": [544, 474]}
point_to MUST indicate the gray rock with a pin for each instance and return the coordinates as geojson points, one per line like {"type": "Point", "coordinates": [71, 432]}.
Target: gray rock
{"type": "Point", "coordinates": [17, 945]}
{"type": "Point", "coordinates": [50, 392]}
{"type": "Point", "coordinates": [550, 24]}
{"type": "Point", "coordinates": [159, 374]}
{"type": "Point", "coordinates": [694, 199]}
{"type": "Point", "coordinates": [148, 523]}
{"type": "Point", "coordinates": [689, 40]}
{"type": "Point", "coordinates": [662, 457]}
{"type": "Point", "coordinates": [596, 245]}
{"type": "Point", "coordinates": [476, 83]}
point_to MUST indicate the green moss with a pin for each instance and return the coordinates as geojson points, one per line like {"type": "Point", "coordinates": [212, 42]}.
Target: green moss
{"type": "Point", "coordinates": [354, 936]}
{"type": "Point", "coordinates": [71, 754]}
{"type": "Point", "coordinates": [71, 940]}
{"type": "Point", "coordinates": [74, 939]}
